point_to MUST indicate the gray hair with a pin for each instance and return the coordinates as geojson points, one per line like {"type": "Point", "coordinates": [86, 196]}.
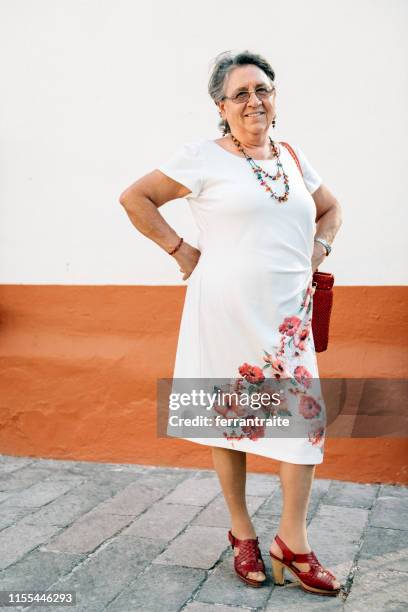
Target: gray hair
{"type": "Point", "coordinates": [223, 64]}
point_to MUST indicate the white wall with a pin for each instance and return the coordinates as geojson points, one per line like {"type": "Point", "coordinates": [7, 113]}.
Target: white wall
{"type": "Point", "coordinates": [97, 93]}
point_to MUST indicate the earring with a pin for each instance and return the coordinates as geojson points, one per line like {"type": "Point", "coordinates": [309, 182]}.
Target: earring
{"type": "Point", "coordinates": [273, 122]}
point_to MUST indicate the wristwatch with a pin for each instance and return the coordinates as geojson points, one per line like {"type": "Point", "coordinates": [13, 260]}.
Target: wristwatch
{"type": "Point", "coordinates": [325, 244]}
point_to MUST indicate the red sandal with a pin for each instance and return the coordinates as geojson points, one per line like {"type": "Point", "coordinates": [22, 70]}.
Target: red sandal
{"type": "Point", "coordinates": [316, 580]}
{"type": "Point", "coordinates": [249, 559]}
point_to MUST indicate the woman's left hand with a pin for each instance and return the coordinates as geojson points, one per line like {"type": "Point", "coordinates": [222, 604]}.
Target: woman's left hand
{"type": "Point", "coordinates": [319, 255]}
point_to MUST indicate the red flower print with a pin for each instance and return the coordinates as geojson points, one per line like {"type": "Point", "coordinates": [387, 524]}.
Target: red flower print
{"type": "Point", "coordinates": [303, 376]}
{"type": "Point", "coordinates": [231, 408]}
{"type": "Point", "coordinates": [278, 366]}
{"type": "Point", "coordinates": [283, 407]}
{"type": "Point", "coordinates": [301, 337]}
{"type": "Point", "coordinates": [269, 387]}
{"type": "Point", "coordinates": [238, 386]}
{"type": "Point", "coordinates": [316, 435]}
{"type": "Point", "coordinates": [289, 326]}
{"type": "Point", "coordinates": [236, 409]}
{"type": "Point", "coordinates": [253, 432]}
{"type": "Point", "coordinates": [223, 410]}
{"type": "Point", "coordinates": [308, 296]}
{"type": "Point", "coordinates": [252, 374]}
{"type": "Point", "coordinates": [308, 407]}
{"type": "Point", "coordinates": [232, 436]}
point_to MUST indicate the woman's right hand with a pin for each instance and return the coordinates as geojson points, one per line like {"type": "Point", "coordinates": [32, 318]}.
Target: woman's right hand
{"type": "Point", "coordinates": [187, 257]}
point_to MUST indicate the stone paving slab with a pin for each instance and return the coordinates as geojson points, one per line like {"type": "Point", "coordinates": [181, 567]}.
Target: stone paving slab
{"type": "Point", "coordinates": [351, 494]}
{"type": "Point", "coordinates": [384, 549]}
{"type": "Point", "coordinates": [40, 493]}
{"type": "Point", "coordinates": [105, 574]}
{"type": "Point", "coordinates": [38, 570]}
{"type": "Point", "coordinates": [64, 510]}
{"type": "Point", "coordinates": [162, 521]}
{"type": "Point", "coordinates": [11, 515]}
{"type": "Point", "coordinates": [195, 491]}
{"type": "Point", "coordinates": [197, 546]}
{"type": "Point", "coordinates": [223, 587]}
{"type": "Point", "coordinates": [18, 540]}
{"type": "Point", "coordinates": [131, 501]}
{"type": "Point", "coordinates": [176, 584]}
{"type": "Point", "coordinates": [390, 512]}
{"type": "Point", "coordinates": [198, 606]}
{"type": "Point", "coordinates": [10, 464]}
{"type": "Point", "coordinates": [393, 491]}
{"type": "Point", "coordinates": [378, 590]}
{"type": "Point", "coordinates": [87, 533]}
{"type": "Point", "coordinates": [20, 479]}
{"type": "Point", "coordinates": [4, 495]}
{"type": "Point", "coordinates": [133, 537]}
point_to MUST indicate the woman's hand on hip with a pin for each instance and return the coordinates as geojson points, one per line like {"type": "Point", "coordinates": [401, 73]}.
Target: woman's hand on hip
{"type": "Point", "coordinates": [319, 255]}
{"type": "Point", "coordinates": [187, 257]}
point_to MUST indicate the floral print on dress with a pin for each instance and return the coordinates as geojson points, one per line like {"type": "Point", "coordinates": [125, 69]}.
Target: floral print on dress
{"type": "Point", "coordinates": [281, 364]}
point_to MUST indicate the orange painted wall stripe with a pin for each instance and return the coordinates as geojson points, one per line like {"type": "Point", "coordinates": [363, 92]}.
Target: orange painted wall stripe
{"type": "Point", "coordinates": [79, 366]}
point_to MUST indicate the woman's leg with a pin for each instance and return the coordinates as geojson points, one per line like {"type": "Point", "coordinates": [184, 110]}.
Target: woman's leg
{"type": "Point", "coordinates": [296, 481]}
{"type": "Point", "coordinates": [230, 466]}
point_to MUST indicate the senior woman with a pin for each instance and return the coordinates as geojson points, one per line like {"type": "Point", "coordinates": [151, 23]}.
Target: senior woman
{"type": "Point", "coordinates": [266, 221]}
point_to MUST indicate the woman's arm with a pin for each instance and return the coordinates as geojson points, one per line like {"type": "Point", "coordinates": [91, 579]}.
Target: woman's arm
{"type": "Point", "coordinates": [328, 221]}
{"type": "Point", "coordinates": [141, 202]}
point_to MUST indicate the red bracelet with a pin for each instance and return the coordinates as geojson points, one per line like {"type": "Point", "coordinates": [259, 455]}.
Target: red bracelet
{"type": "Point", "coordinates": [176, 248]}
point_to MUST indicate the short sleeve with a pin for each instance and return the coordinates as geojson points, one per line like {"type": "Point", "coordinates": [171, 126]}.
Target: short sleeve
{"type": "Point", "coordinates": [311, 178]}
{"type": "Point", "coordinates": [185, 167]}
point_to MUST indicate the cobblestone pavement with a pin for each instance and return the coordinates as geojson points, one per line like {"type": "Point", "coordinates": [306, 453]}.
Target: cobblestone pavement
{"type": "Point", "coordinates": [131, 537]}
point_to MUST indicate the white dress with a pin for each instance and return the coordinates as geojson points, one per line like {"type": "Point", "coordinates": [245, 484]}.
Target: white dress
{"type": "Point", "coordinates": [249, 301]}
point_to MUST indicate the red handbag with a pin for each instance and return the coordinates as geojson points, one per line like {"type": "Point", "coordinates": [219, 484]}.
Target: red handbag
{"type": "Point", "coordinates": [323, 295]}
{"type": "Point", "coordinates": [322, 307]}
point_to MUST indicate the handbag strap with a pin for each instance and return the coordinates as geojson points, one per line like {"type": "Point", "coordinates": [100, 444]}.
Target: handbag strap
{"type": "Point", "coordinates": [295, 157]}
{"type": "Point", "coordinates": [293, 154]}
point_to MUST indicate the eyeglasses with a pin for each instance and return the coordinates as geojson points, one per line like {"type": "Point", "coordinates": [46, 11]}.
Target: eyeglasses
{"type": "Point", "coordinates": [262, 93]}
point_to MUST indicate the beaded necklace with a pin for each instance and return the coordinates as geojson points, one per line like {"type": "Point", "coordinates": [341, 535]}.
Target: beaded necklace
{"type": "Point", "coordinates": [258, 171]}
